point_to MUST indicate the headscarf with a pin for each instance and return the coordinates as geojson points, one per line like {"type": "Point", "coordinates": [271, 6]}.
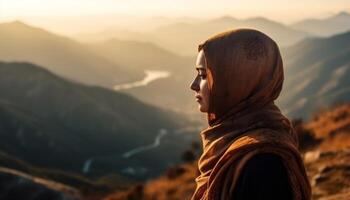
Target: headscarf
{"type": "Point", "coordinates": [245, 76]}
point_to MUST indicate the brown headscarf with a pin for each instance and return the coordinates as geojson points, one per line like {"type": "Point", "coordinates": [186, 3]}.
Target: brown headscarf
{"type": "Point", "coordinates": [245, 76]}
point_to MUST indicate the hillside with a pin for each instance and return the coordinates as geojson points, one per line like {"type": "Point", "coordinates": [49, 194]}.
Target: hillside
{"type": "Point", "coordinates": [16, 175]}
{"type": "Point", "coordinates": [327, 163]}
{"type": "Point", "coordinates": [61, 55]}
{"type": "Point", "coordinates": [171, 92]}
{"type": "Point", "coordinates": [316, 75]}
{"type": "Point", "coordinates": [54, 123]}
{"type": "Point", "coordinates": [17, 185]}
{"type": "Point", "coordinates": [106, 64]}
{"type": "Point", "coordinates": [325, 27]}
{"type": "Point", "coordinates": [139, 55]}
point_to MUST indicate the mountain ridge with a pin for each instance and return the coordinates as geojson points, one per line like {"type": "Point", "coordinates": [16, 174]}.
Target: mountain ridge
{"type": "Point", "coordinates": [60, 54]}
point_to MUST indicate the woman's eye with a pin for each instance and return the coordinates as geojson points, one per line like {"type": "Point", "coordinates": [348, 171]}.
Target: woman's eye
{"type": "Point", "coordinates": [202, 75]}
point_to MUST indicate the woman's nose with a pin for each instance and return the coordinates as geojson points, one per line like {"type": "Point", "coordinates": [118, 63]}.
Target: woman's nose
{"type": "Point", "coordinates": [195, 85]}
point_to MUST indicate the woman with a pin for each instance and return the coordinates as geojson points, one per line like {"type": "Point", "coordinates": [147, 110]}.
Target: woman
{"type": "Point", "coordinates": [249, 149]}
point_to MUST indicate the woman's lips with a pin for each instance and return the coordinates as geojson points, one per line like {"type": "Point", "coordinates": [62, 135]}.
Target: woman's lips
{"type": "Point", "coordinates": [198, 98]}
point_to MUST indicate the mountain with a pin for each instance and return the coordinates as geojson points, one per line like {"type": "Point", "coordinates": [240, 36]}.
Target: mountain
{"type": "Point", "coordinates": [327, 164]}
{"type": "Point", "coordinates": [171, 92]}
{"type": "Point", "coordinates": [17, 175]}
{"type": "Point", "coordinates": [317, 75]}
{"type": "Point", "coordinates": [137, 54]}
{"type": "Point", "coordinates": [174, 92]}
{"type": "Point", "coordinates": [316, 71]}
{"type": "Point", "coordinates": [51, 122]}
{"type": "Point", "coordinates": [18, 185]}
{"type": "Point", "coordinates": [129, 28]}
{"type": "Point", "coordinates": [182, 38]}
{"type": "Point", "coordinates": [61, 55]}
{"type": "Point", "coordinates": [93, 64]}
{"type": "Point", "coordinates": [325, 27]}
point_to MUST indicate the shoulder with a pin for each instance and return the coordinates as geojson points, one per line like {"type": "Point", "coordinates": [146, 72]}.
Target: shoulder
{"type": "Point", "coordinates": [264, 176]}
{"type": "Point", "coordinates": [266, 168]}
{"type": "Point", "coordinates": [264, 162]}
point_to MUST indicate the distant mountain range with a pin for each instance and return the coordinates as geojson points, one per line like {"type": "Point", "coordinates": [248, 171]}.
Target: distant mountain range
{"type": "Point", "coordinates": [50, 122]}
{"type": "Point", "coordinates": [138, 55]}
{"type": "Point", "coordinates": [61, 55]}
{"type": "Point", "coordinates": [325, 27]}
{"type": "Point", "coordinates": [173, 92]}
{"type": "Point", "coordinates": [183, 38]}
{"type": "Point", "coordinates": [308, 68]}
{"type": "Point", "coordinates": [317, 74]}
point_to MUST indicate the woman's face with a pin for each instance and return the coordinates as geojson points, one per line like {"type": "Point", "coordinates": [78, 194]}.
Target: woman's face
{"type": "Point", "coordinates": [200, 83]}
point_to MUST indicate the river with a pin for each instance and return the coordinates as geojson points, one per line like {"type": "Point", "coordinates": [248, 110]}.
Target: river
{"type": "Point", "coordinates": [128, 154]}
{"type": "Point", "coordinates": [150, 76]}
{"type": "Point", "coordinates": [155, 144]}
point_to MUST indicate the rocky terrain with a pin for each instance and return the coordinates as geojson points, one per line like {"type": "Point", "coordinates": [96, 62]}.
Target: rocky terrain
{"type": "Point", "coordinates": [324, 141]}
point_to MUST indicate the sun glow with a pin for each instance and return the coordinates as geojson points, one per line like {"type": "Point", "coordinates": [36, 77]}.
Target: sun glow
{"type": "Point", "coordinates": [55, 14]}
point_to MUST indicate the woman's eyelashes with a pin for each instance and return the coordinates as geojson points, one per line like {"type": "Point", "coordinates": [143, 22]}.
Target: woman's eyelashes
{"type": "Point", "coordinates": [202, 74]}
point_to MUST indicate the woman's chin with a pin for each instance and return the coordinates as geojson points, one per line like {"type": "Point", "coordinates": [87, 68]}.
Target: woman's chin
{"type": "Point", "coordinates": [202, 109]}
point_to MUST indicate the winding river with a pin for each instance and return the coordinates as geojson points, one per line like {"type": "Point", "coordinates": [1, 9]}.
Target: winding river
{"type": "Point", "coordinates": [128, 154]}
{"type": "Point", "coordinates": [155, 144]}
{"type": "Point", "coordinates": [151, 75]}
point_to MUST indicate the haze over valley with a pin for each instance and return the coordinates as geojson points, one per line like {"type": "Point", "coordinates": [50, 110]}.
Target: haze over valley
{"type": "Point", "coordinates": [99, 110]}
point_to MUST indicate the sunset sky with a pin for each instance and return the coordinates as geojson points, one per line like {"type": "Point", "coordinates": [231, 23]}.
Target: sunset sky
{"type": "Point", "coordinates": [44, 12]}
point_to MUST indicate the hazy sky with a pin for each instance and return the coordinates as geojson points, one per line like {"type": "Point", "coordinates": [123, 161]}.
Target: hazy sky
{"type": "Point", "coordinates": [286, 11]}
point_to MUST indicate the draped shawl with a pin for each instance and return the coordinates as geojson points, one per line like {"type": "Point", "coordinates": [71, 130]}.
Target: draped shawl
{"type": "Point", "coordinates": [245, 77]}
